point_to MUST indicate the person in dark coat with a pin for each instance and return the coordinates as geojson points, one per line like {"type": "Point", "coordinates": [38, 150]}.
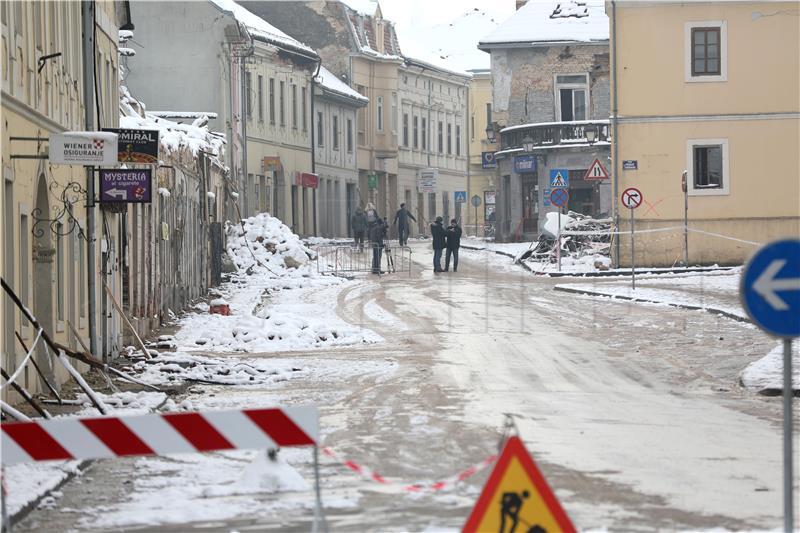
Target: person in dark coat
{"type": "Point", "coordinates": [377, 232]}
{"type": "Point", "coordinates": [453, 233]}
{"type": "Point", "coordinates": [401, 219]}
{"type": "Point", "coordinates": [359, 224]}
{"type": "Point", "coordinates": [439, 243]}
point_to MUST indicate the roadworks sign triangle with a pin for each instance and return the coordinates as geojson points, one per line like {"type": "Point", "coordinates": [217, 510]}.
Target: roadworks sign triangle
{"type": "Point", "coordinates": [516, 498]}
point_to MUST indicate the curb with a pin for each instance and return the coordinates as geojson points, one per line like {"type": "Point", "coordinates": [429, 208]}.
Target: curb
{"type": "Point", "coordinates": [645, 300]}
{"type": "Point", "coordinates": [25, 510]}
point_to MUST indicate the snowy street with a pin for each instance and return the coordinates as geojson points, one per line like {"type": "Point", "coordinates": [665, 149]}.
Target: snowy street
{"type": "Point", "coordinates": [633, 412]}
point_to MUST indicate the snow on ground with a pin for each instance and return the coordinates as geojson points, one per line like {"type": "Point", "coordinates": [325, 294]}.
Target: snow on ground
{"type": "Point", "coordinates": [27, 482]}
{"type": "Point", "coordinates": [278, 300]}
{"type": "Point", "coordinates": [767, 372]}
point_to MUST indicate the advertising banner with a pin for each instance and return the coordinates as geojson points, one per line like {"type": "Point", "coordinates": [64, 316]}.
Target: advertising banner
{"type": "Point", "coordinates": [95, 148]}
{"type": "Point", "coordinates": [136, 146]}
{"type": "Point", "coordinates": [132, 185]}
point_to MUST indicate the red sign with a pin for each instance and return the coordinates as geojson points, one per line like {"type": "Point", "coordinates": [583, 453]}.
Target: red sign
{"type": "Point", "coordinates": [632, 198]}
{"type": "Point", "coordinates": [596, 172]}
{"type": "Point", "coordinates": [559, 197]}
{"type": "Point", "coordinates": [309, 180]}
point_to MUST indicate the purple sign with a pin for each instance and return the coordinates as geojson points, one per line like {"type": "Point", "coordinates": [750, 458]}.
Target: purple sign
{"type": "Point", "coordinates": [126, 185]}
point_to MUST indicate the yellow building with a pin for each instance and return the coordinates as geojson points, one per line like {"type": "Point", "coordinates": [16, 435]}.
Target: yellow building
{"type": "Point", "coordinates": [481, 173]}
{"type": "Point", "coordinates": [712, 89]}
{"type": "Point", "coordinates": [44, 247]}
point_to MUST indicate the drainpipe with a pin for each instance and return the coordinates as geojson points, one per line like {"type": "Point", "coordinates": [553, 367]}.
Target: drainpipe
{"type": "Point", "coordinates": [615, 123]}
{"type": "Point", "coordinates": [243, 82]}
{"type": "Point", "coordinates": [313, 149]}
{"type": "Point", "coordinates": [87, 23]}
{"type": "Point", "coordinates": [469, 132]}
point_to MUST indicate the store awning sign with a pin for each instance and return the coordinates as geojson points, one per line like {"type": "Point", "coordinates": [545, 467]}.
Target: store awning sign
{"type": "Point", "coordinates": [137, 146]}
{"type": "Point", "coordinates": [130, 185]}
{"type": "Point", "coordinates": [83, 148]}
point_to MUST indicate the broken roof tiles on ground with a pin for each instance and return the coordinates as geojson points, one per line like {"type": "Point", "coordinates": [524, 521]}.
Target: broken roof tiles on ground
{"type": "Point", "coordinates": [258, 27]}
{"type": "Point", "coordinates": [547, 21]}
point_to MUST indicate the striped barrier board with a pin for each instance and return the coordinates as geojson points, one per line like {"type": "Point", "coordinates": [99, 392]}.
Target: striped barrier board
{"type": "Point", "coordinates": [158, 434]}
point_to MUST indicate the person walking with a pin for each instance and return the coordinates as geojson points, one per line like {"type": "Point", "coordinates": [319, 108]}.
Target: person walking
{"type": "Point", "coordinates": [401, 219]}
{"type": "Point", "coordinates": [359, 224]}
{"type": "Point", "coordinates": [439, 243]}
{"type": "Point", "coordinates": [453, 234]}
{"type": "Point", "coordinates": [377, 233]}
{"type": "Point", "coordinates": [372, 215]}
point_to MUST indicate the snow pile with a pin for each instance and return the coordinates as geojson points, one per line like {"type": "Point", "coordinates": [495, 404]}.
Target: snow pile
{"type": "Point", "coordinates": [553, 21]}
{"type": "Point", "coordinates": [766, 374]}
{"type": "Point", "coordinates": [28, 481]}
{"type": "Point", "coordinates": [266, 242]}
{"type": "Point", "coordinates": [130, 402]}
{"type": "Point", "coordinates": [550, 227]}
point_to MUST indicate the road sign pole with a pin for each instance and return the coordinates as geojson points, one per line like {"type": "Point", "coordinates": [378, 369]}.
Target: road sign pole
{"type": "Point", "coordinates": [788, 470]}
{"type": "Point", "coordinates": [558, 246]}
{"type": "Point", "coordinates": [476, 221]}
{"type": "Point", "coordinates": [633, 257]}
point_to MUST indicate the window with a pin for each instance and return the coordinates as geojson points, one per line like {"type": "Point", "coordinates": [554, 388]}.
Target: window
{"type": "Point", "coordinates": [294, 106]}
{"type": "Point", "coordinates": [362, 118]}
{"type": "Point", "coordinates": [431, 205]}
{"type": "Point", "coordinates": [458, 140]}
{"type": "Point", "coordinates": [272, 100]}
{"type": "Point", "coordinates": [705, 46]}
{"type": "Point", "coordinates": [303, 105]}
{"type": "Point", "coordinates": [707, 165]}
{"type": "Point", "coordinates": [379, 112]}
{"type": "Point", "coordinates": [394, 113]}
{"type": "Point", "coordinates": [424, 134]}
{"type": "Point", "coordinates": [82, 278]}
{"type": "Point", "coordinates": [248, 89]}
{"type": "Point", "coordinates": [446, 206]}
{"type": "Point", "coordinates": [488, 114]}
{"type": "Point", "coordinates": [261, 98]}
{"type": "Point", "coordinates": [405, 129]}
{"type": "Point", "coordinates": [472, 128]}
{"type": "Point", "coordinates": [320, 129]}
{"type": "Point", "coordinates": [572, 97]}
{"type": "Point", "coordinates": [335, 132]}
{"type": "Point", "coordinates": [415, 122]}
{"type": "Point", "coordinates": [440, 137]}
{"type": "Point", "coordinates": [25, 255]}
{"type": "Point", "coordinates": [350, 135]}
{"type": "Point", "coordinates": [281, 103]}
{"type": "Point", "coordinates": [449, 139]}
{"type": "Point", "coordinates": [59, 273]}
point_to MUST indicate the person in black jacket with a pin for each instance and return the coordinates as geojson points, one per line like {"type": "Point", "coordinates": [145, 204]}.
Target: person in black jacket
{"type": "Point", "coordinates": [359, 224]}
{"type": "Point", "coordinates": [453, 233]}
{"type": "Point", "coordinates": [377, 232]}
{"type": "Point", "coordinates": [401, 219]}
{"type": "Point", "coordinates": [439, 243]}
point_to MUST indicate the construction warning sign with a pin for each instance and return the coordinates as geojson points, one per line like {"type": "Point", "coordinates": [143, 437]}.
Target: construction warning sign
{"type": "Point", "coordinates": [516, 498]}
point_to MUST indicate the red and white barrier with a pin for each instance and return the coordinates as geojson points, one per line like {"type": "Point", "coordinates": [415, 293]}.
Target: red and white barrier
{"type": "Point", "coordinates": [158, 434]}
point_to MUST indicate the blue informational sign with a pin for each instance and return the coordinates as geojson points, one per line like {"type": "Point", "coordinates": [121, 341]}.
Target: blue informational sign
{"type": "Point", "coordinates": [461, 197]}
{"type": "Point", "coordinates": [559, 178]}
{"type": "Point", "coordinates": [488, 160]}
{"type": "Point", "coordinates": [525, 164]}
{"type": "Point", "coordinates": [770, 288]}
{"type": "Point", "coordinates": [546, 197]}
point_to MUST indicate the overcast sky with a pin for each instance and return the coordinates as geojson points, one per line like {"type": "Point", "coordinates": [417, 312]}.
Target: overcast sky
{"type": "Point", "coordinates": [447, 30]}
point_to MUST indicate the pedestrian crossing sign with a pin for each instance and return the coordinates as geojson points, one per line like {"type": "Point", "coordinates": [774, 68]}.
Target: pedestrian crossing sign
{"type": "Point", "coordinates": [559, 178]}
{"type": "Point", "coordinates": [516, 497]}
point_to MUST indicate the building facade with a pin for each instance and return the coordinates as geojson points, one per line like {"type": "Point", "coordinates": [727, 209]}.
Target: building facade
{"type": "Point", "coordinates": [45, 222]}
{"type": "Point", "coordinates": [550, 86]}
{"type": "Point", "coordinates": [336, 108]}
{"type": "Point", "coordinates": [432, 142]}
{"type": "Point", "coordinates": [482, 179]}
{"type": "Point", "coordinates": [702, 92]}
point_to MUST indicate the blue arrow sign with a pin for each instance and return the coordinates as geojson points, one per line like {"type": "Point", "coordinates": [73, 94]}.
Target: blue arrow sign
{"type": "Point", "coordinates": [770, 289]}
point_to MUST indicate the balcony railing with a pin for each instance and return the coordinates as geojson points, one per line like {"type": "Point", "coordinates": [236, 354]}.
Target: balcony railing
{"type": "Point", "coordinates": [555, 134]}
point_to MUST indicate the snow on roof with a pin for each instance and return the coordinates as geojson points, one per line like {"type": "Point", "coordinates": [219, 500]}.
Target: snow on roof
{"type": "Point", "coordinates": [329, 81]}
{"type": "Point", "coordinates": [438, 63]}
{"type": "Point", "coordinates": [173, 135]}
{"type": "Point", "coordinates": [366, 7]}
{"type": "Point", "coordinates": [552, 21]}
{"type": "Point", "coordinates": [259, 27]}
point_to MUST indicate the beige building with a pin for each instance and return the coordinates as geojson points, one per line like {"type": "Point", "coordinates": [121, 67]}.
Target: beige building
{"type": "Point", "coordinates": [44, 219]}
{"type": "Point", "coordinates": [481, 165]}
{"type": "Point", "coordinates": [709, 88]}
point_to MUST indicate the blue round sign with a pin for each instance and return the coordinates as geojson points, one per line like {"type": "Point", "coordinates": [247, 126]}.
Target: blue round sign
{"type": "Point", "coordinates": [770, 289]}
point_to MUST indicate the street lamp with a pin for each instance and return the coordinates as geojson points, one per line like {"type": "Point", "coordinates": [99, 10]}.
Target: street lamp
{"type": "Point", "coordinates": [591, 134]}
{"type": "Point", "coordinates": [527, 144]}
{"type": "Point", "coordinates": [491, 134]}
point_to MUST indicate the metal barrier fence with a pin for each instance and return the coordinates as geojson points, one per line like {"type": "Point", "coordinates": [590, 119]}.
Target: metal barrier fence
{"type": "Point", "coordinates": [339, 259]}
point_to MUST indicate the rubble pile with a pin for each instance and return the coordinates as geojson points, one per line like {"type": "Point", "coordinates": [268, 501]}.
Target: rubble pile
{"type": "Point", "coordinates": [595, 246]}
{"type": "Point", "coordinates": [265, 241]}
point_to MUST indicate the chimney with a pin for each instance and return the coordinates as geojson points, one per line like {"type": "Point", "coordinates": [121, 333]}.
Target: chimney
{"type": "Point", "coordinates": [521, 3]}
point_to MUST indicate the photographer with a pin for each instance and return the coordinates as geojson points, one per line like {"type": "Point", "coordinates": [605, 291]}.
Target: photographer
{"type": "Point", "coordinates": [377, 232]}
{"type": "Point", "coordinates": [453, 234]}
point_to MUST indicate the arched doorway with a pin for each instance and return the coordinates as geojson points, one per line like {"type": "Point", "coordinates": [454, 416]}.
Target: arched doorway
{"type": "Point", "coordinates": [43, 255]}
